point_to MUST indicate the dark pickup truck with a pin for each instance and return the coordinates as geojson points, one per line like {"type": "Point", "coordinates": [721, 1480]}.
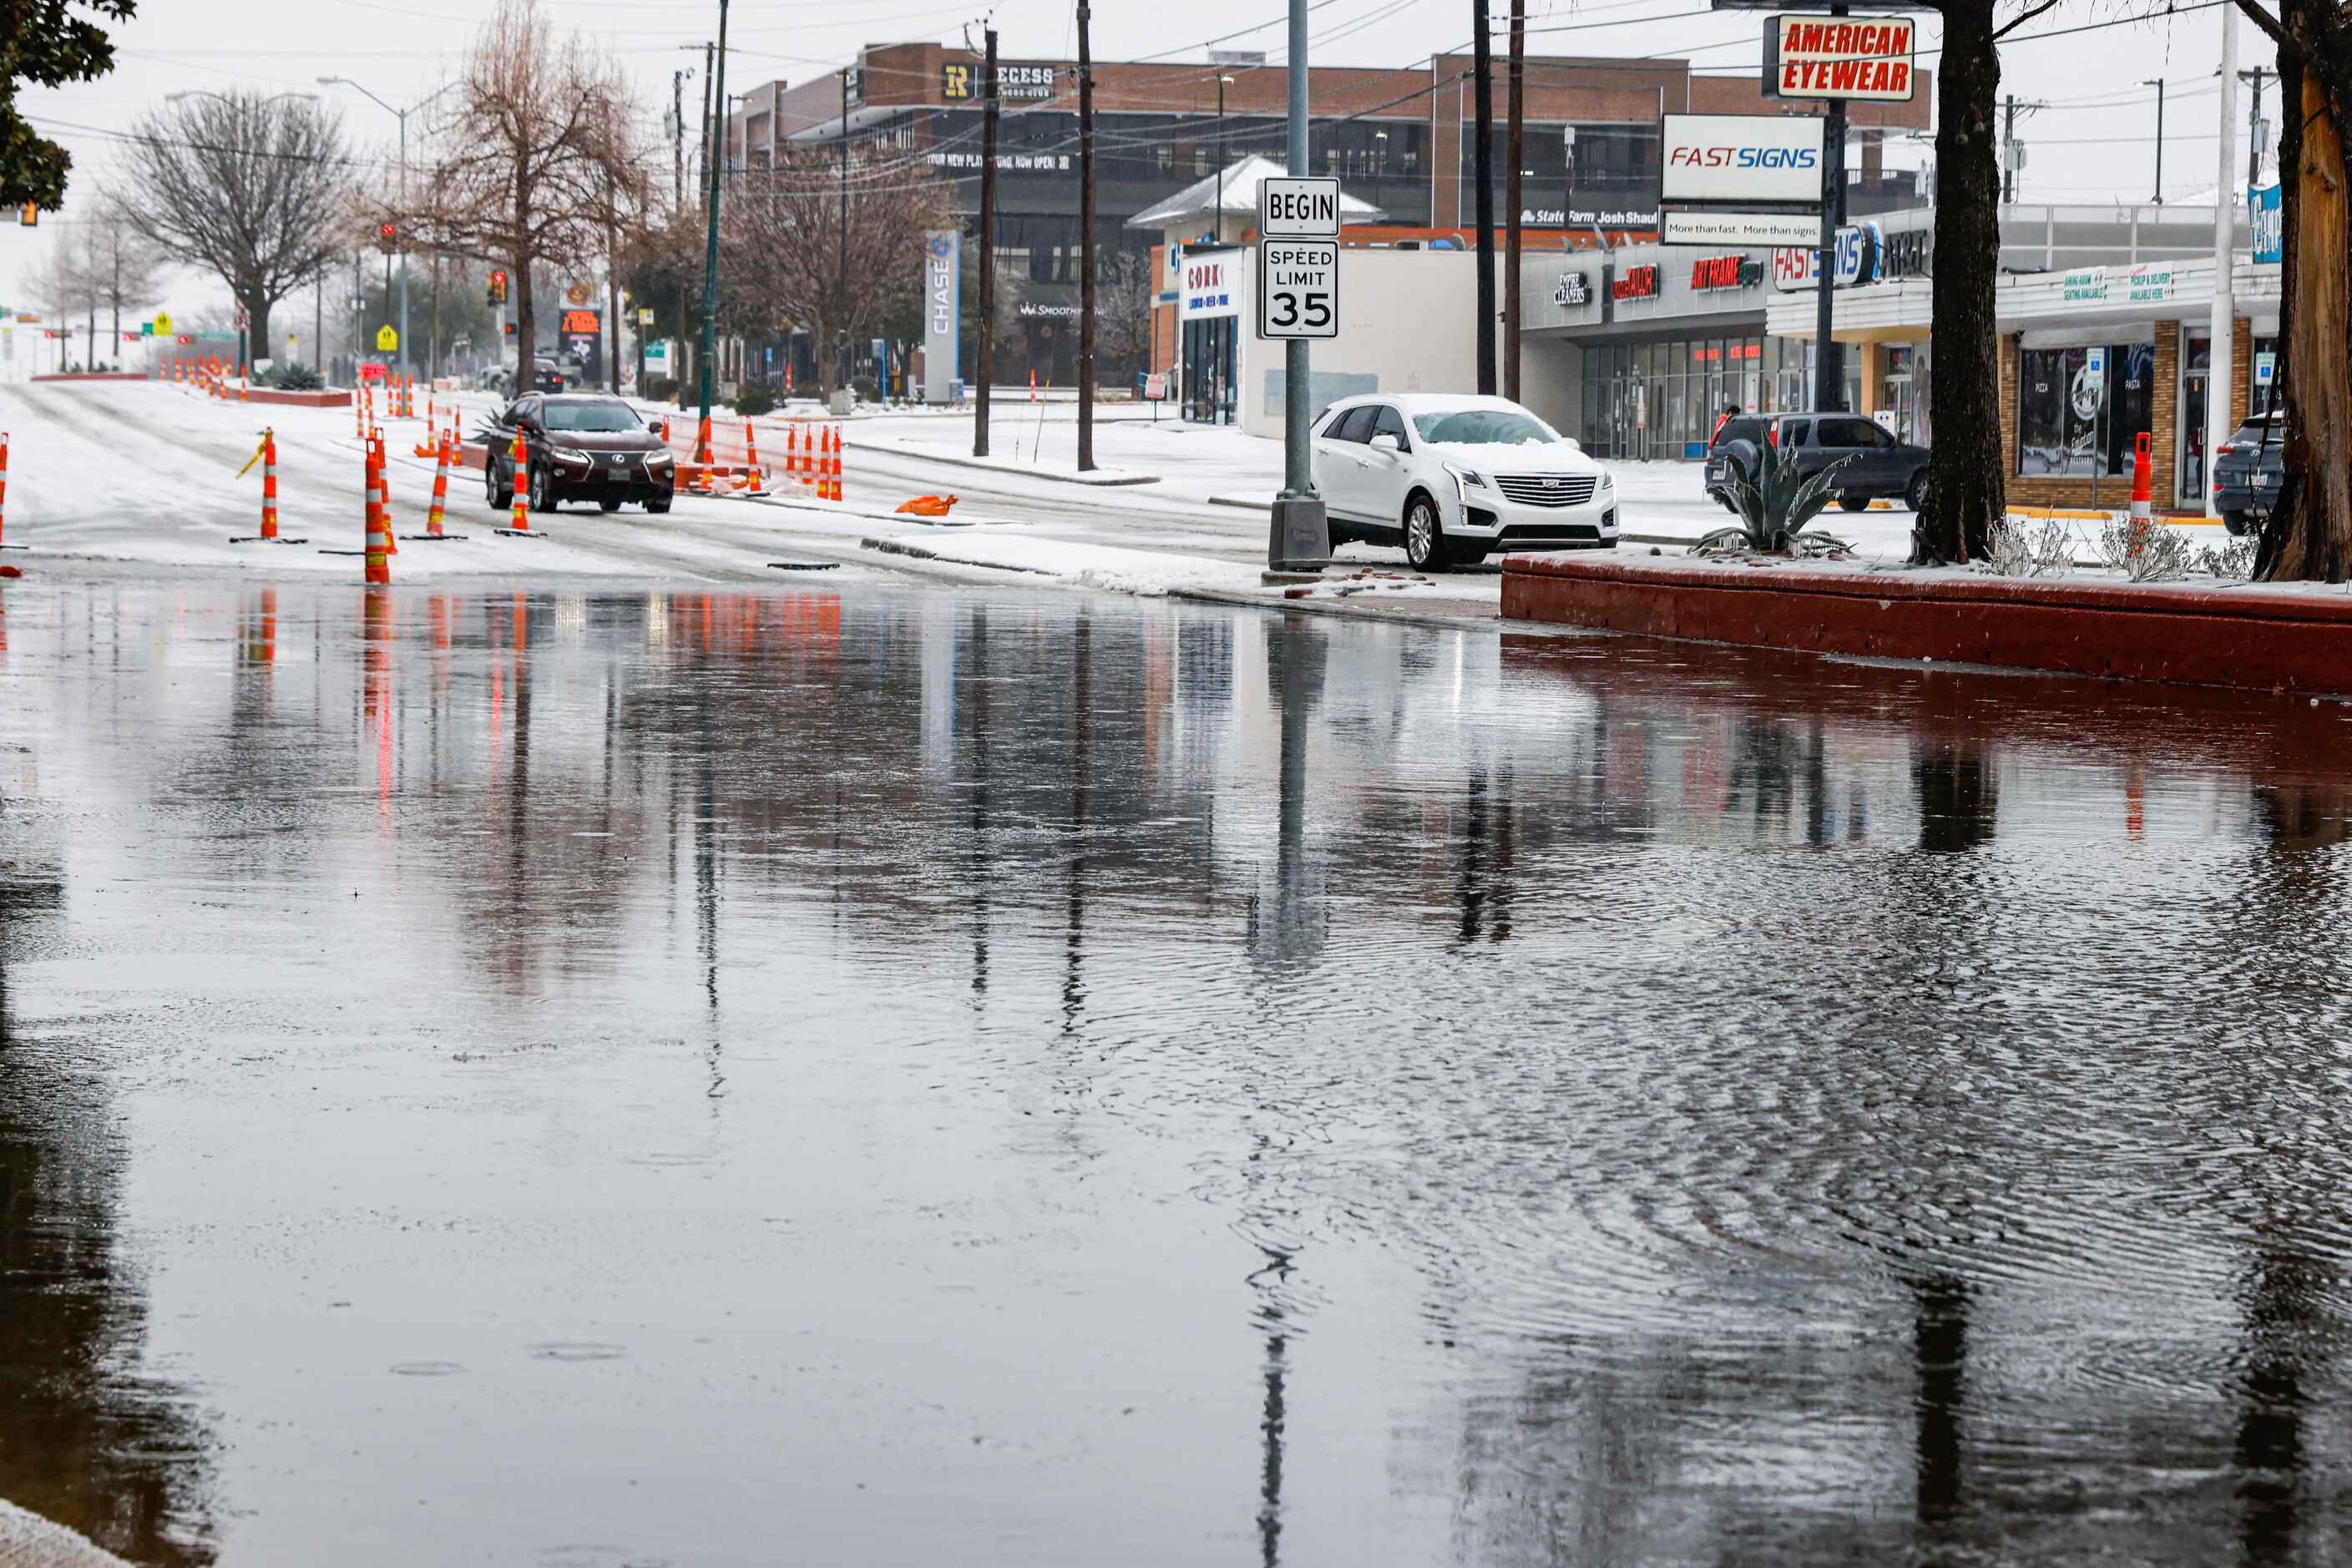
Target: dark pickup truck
{"type": "Point", "coordinates": [1880, 465]}
{"type": "Point", "coordinates": [2246, 472]}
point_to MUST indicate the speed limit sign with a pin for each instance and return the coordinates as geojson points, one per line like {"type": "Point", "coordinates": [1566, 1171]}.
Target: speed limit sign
{"type": "Point", "coordinates": [1298, 289]}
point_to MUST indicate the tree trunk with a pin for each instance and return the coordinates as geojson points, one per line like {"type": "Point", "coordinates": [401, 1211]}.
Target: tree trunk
{"type": "Point", "coordinates": [1967, 493]}
{"type": "Point", "coordinates": [526, 326]}
{"type": "Point", "coordinates": [256, 341]}
{"type": "Point", "coordinates": [2309, 536]}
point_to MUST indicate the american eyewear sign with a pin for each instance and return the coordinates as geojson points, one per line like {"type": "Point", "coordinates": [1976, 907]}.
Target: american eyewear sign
{"type": "Point", "coordinates": [1840, 56]}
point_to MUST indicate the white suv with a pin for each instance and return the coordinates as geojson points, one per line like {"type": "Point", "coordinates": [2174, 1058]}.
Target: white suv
{"type": "Point", "coordinates": [1453, 479]}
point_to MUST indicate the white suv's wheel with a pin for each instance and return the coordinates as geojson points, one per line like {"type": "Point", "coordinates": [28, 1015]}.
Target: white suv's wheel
{"type": "Point", "coordinates": [1425, 542]}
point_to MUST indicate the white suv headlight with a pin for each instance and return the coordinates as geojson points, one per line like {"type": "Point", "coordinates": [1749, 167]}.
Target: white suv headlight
{"type": "Point", "coordinates": [1464, 478]}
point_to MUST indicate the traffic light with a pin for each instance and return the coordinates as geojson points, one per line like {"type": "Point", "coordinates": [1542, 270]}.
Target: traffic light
{"type": "Point", "coordinates": [387, 237]}
{"type": "Point", "coordinates": [498, 286]}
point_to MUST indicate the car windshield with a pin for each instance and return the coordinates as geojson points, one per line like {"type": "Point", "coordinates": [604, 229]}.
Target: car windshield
{"type": "Point", "coordinates": [1482, 427]}
{"type": "Point", "coordinates": [589, 417]}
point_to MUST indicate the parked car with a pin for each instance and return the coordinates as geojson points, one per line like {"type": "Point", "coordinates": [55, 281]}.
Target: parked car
{"type": "Point", "coordinates": [1880, 465]}
{"type": "Point", "coordinates": [1452, 478]}
{"type": "Point", "coordinates": [580, 446]}
{"type": "Point", "coordinates": [2247, 470]}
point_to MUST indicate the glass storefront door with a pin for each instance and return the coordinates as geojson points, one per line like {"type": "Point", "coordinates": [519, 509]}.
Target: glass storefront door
{"type": "Point", "coordinates": [2196, 365]}
{"type": "Point", "coordinates": [1210, 383]}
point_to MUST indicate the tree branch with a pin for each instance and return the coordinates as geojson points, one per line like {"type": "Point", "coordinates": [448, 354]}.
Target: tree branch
{"type": "Point", "coordinates": [2022, 17]}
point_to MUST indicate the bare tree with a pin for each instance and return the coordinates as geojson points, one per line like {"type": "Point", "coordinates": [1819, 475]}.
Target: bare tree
{"type": "Point", "coordinates": [535, 156]}
{"type": "Point", "coordinates": [1967, 496]}
{"type": "Point", "coordinates": [122, 265]}
{"type": "Point", "coordinates": [780, 259]}
{"type": "Point", "coordinates": [2309, 534]}
{"type": "Point", "coordinates": [1123, 302]}
{"type": "Point", "coordinates": [249, 186]}
{"type": "Point", "coordinates": [59, 286]}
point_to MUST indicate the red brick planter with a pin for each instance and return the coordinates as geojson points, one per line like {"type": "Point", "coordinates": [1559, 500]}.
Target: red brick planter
{"type": "Point", "coordinates": [2291, 638]}
{"type": "Point", "coordinates": [329, 399]}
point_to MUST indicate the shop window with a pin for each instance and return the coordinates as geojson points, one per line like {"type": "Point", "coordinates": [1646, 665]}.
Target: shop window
{"type": "Point", "coordinates": [2070, 424]}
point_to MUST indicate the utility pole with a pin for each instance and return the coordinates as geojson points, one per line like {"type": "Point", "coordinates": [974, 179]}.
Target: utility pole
{"type": "Point", "coordinates": [678, 136]}
{"type": "Point", "coordinates": [710, 244]}
{"type": "Point", "coordinates": [1298, 533]}
{"type": "Point", "coordinates": [1086, 244]}
{"type": "Point", "coordinates": [2219, 411]}
{"type": "Point", "coordinates": [702, 148]}
{"type": "Point", "coordinates": [2009, 152]}
{"type": "Point", "coordinates": [1829, 367]}
{"type": "Point", "coordinates": [841, 260]}
{"type": "Point", "coordinates": [1481, 71]}
{"type": "Point", "coordinates": [2158, 83]}
{"type": "Point", "coordinates": [1513, 198]}
{"type": "Point", "coordinates": [985, 365]}
{"type": "Point", "coordinates": [2257, 139]}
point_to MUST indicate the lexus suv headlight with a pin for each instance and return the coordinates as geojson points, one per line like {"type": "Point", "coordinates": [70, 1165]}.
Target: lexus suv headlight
{"type": "Point", "coordinates": [569, 455]}
{"type": "Point", "coordinates": [658, 459]}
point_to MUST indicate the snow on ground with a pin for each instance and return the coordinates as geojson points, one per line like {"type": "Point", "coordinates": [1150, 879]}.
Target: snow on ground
{"type": "Point", "coordinates": [148, 473]}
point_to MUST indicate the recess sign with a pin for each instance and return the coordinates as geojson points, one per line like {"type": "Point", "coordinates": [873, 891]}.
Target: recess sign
{"type": "Point", "coordinates": [1839, 57]}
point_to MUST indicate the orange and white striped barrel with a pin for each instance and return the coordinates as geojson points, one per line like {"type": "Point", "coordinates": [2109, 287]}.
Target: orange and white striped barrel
{"type": "Point", "coordinates": [521, 523]}
{"type": "Point", "coordinates": [269, 484]}
{"type": "Point", "coordinates": [379, 527]}
{"type": "Point", "coordinates": [440, 490]}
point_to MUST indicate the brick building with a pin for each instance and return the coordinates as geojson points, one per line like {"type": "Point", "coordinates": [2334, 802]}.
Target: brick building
{"type": "Point", "coordinates": [1402, 140]}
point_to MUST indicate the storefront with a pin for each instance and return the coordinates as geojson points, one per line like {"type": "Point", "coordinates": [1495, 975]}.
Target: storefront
{"type": "Point", "coordinates": [2090, 359]}
{"type": "Point", "coordinates": [1211, 314]}
{"type": "Point", "coordinates": [1640, 352]}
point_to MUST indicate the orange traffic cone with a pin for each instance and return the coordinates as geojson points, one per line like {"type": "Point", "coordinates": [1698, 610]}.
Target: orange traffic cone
{"type": "Point", "coordinates": [4, 490]}
{"type": "Point", "coordinates": [1033, 385]}
{"type": "Point", "coordinates": [379, 529]}
{"type": "Point", "coordinates": [792, 453]}
{"type": "Point", "coordinates": [383, 493]}
{"type": "Point", "coordinates": [752, 485]}
{"type": "Point", "coordinates": [832, 462]}
{"type": "Point", "coordinates": [520, 525]}
{"type": "Point", "coordinates": [266, 456]}
{"type": "Point", "coordinates": [444, 446]}
{"type": "Point", "coordinates": [2142, 496]}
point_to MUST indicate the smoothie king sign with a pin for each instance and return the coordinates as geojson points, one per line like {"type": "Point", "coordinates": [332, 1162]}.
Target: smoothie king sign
{"type": "Point", "coordinates": [1768, 158]}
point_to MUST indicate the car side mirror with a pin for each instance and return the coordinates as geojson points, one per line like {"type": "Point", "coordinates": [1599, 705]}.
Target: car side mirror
{"type": "Point", "coordinates": [1386, 443]}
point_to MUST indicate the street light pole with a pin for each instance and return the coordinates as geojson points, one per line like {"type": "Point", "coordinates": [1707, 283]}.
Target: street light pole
{"type": "Point", "coordinates": [400, 239]}
{"type": "Point", "coordinates": [710, 244]}
{"type": "Point", "coordinates": [2158, 83]}
{"type": "Point", "coordinates": [841, 261]}
{"type": "Point", "coordinates": [1223, 157]}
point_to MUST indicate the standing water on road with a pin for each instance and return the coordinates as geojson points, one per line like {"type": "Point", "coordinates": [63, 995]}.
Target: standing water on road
{"type": "Point", "coordinates": [917, 1077]}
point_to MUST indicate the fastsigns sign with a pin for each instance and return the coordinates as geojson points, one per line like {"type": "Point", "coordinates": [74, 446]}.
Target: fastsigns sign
{"type": "Point", "coordinates": [1741, 157]}
{"type": "Point", "coordinates": [1839, 57]}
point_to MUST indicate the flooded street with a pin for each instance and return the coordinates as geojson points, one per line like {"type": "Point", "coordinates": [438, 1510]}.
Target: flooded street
{"type": "Point", "coordinates": [881, 1074]}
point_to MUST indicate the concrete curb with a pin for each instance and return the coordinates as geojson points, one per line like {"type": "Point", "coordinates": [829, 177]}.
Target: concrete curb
{"type": "Point", "coordinates": [2238, 637]}
{"type": "Point", "coordinates": [922, 454]}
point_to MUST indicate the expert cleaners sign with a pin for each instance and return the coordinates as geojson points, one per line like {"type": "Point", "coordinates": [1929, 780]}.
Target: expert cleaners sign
{"type": "Point", "coordinates": [1740, 157]}
{"type": "Point", "coordinates": [1842, 57]}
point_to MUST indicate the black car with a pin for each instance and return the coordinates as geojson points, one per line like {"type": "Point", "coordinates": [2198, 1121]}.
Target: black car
{"type": "Point", "coordinates": [580, 446]}
{"type": "Point", "coordinates": [2246, 472]}
{"type": "Point", "coordinates": [1880, 465]}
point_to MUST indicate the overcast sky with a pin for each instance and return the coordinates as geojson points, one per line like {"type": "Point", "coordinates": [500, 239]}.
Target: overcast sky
{"type": "Point", "coordinates": [2096, 141]}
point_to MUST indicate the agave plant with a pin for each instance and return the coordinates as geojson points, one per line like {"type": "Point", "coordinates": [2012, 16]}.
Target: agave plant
{"type": "Point", "coordinates": [1774, 509]}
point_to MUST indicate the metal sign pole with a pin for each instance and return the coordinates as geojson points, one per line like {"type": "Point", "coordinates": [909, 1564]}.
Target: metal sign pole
{"type": "Point", "coordinates": [1299, 538]}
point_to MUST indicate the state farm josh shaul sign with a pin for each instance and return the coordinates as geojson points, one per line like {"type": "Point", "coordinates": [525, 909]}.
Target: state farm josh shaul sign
{"type": "Point", "coordinates": [1772, 158]}
{"type": "Point", "coordinates": [1839, 57]}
